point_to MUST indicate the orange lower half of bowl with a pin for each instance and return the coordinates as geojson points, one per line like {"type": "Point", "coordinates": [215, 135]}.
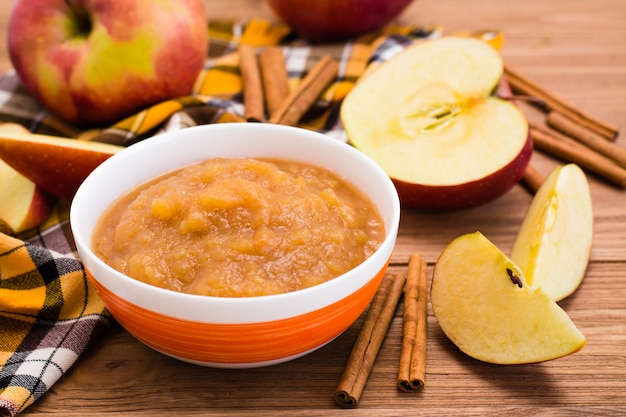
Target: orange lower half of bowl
{"type": "Point", "coordinates": [239, 345]}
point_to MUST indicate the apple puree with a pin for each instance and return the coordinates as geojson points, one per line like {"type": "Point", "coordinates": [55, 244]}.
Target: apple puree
{"type": "Point", "coordinates": [239, 228]}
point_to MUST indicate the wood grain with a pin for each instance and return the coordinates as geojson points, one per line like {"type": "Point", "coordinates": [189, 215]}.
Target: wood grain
{"type": "Point", "coordinates": [575, 48]}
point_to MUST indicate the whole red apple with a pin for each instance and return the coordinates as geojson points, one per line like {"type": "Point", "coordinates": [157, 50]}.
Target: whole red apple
{"type": "Point", "coordinates": [23, 204]}
{"type": "Point", "coordinates": [96, 62]}
{"type": "Point", "coordinates": [332, 20]}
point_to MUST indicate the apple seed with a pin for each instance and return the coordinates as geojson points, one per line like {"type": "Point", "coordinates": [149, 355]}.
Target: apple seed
{"type": "Point", "coordinates": [514, 278]}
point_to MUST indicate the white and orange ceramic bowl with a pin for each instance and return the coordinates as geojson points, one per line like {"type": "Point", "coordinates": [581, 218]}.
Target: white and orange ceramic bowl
{"type": "Point", "coordinates": [233, 332]}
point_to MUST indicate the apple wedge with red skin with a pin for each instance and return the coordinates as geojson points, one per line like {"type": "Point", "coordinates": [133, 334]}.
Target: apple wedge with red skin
{"type": "Point", "coordinates": [485, 306]}
{"type": "Point", "coordinates": [428, 118]}
{"type": "Point", "coordinates": [23, 204]}
{"type": "Point", "coordinates": [97, 62]}
{"type": "Point", "coordinates": [57, 165]}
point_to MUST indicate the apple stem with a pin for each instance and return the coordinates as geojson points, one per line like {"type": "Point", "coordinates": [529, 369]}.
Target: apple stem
{"type": "Point", "coordinates": [84, 22]}
{"type": "Point", "coordinates": [537, 101]}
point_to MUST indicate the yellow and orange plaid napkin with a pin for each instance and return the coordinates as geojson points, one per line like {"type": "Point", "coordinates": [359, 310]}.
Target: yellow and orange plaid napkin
{"type": "Point", "coordinates": [49, 313]}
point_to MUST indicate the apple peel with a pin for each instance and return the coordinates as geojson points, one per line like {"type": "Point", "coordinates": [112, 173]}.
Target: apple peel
{"type": "Point", "coordinates": [23, 204]}
{"type": "Point", "coordinates": [485, 306]}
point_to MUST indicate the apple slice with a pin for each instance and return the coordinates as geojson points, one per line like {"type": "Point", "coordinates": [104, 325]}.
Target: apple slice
{"type": "Point", "coordinates": [553, 245]}
{"type": "Point", "coordinates": [57, 165]}
{"type": "Point", "coordinates": [487, 309]}
{"type": "Point", "coordinates": [22, 203]}
{"type": "Point", "coordinates": [427, 118]}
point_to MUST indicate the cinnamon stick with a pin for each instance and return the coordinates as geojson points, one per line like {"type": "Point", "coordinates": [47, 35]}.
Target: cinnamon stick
{"type": "Point", "coordinates": [532, 179]}
{"type": "Point", "coordinates": [302, 98]}
{"type": "Point", "coordinates": [521, 84]}
{"type": "Point", "coordinates": [586, 136]}
{"type": "Point", "coordinates": [365, 350]}
{"type": "Point", "coordinates": [274, 77]}
{"type": "Point", "coordinates": [412, 368]}
{"type": "Point", "coordinates": [254, 110]}
{"type": "Point", "coordinates": [569, 150]}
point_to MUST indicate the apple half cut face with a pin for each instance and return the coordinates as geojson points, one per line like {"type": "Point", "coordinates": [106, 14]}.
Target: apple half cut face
{"type": "Point", "coordinates": [554, 242]}
{"type": "Point", "coordinates": [485, 306]}
{"type": "Point", "coordinates": [428, 118]}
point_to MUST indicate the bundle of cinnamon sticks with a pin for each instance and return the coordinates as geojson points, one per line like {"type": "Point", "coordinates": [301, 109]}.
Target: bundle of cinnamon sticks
{"type": "Point", "coordinates": [266, 94]}
{"type": "Point", "coordinates": [571, 135]}
{"type": "Point", "coordinates": [412, 363]}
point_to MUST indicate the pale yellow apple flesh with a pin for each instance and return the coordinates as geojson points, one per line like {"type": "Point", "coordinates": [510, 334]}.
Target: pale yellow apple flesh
{"type": "Point", "coordinates": [487, 309]}
{"type": "Point", "coordinates": [57, 165]}
{"type": "Point", "coordinates": [426, 117]}
{"type": "Point", "coordinates": [553, 245]}
{"type": "Point", "coordinates": [430, 151]}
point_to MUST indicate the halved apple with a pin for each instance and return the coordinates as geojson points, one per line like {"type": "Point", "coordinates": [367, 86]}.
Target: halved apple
{"type": "Point", "coordinates": [57, 165]}
{"type": "Point", "coordinates": [427, 118]}
{"type": "Point", "coordinates": [553, 245]}
{"type": "Point", "coordinates": [487, 309]}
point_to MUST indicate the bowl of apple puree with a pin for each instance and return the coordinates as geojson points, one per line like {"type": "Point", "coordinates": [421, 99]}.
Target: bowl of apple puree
{"type": "Point", "coordinates": [240, 227]}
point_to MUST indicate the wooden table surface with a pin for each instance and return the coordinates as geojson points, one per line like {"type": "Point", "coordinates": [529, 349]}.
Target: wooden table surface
{"type": "Point", "coordinates": [577, 49]}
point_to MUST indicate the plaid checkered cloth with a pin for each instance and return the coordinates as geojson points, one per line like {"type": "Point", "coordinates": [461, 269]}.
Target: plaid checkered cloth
{"type": "Point", "coordinates": [48, 315]}
{"type": "Point", "coordinates": [49, 312]}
